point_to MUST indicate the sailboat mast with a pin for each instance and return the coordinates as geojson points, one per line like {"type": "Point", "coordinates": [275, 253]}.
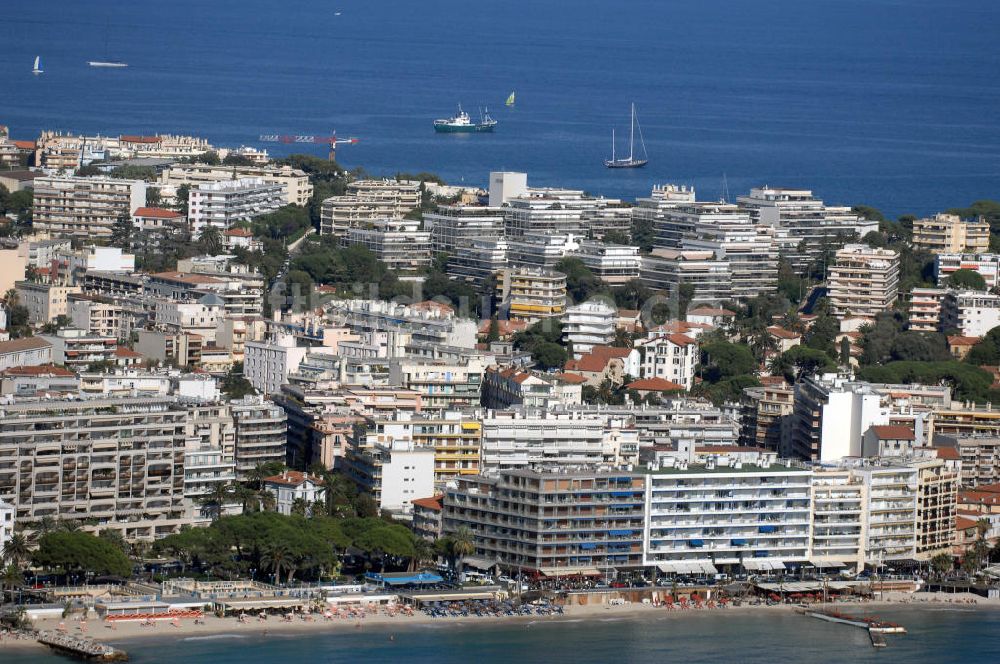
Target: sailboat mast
{"type": "Point", "coordinates": [612, 144]}
{"type": "Point", "coordinates": [631, 133]}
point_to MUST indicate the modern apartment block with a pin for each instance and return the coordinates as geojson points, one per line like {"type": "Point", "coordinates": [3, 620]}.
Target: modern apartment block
{"type": "Point", "coordinates": [805, 226]}
{"type": "Point", "coordinates": [367, 201]}
{"type": "Point", "coordinates": [479, 261]}
{"type": "Point", "coordinates": [589, 324]}
{"type": "Point", "coordinates": [399, 243]}
{"type": "Point", "coordinates": [937, 498]}
{"type": "Point", "coordinates": [261, 429]}
{"type": "Point", "coordinates": [987, 265]}
{"type": "Point", "coordinates": [971, 312]}
{"type": "Point", "coordinates": [521, 438]}
{"type": "Point", "coordinates": [764, 416]}
{"type": "Point", "coordinates": [949, 234]}
{"type": "Point", "coordinates": [394, 473]}
{"type": "Point", "coordinates": [830, 416]}
{"type": "Point", "coordinates": [111, 463]}
{"type": "Point", "coordinates": [708, 276]}
{"type": "Point", "coordinates": [891, 518]}
{"type": "Point", "coordinates": [925, 309]}
{"type": "Point", "coordinates": [296, 188]}
{"type": "Point", "coordinates": [653, 211]}
{"type": "Point", "coordinates": [612, 263]}
{"type": "Point", "coordinates": [224, 203]}
{"type": "Point", "coordinates": [863, 282]}
{"type": "Point", "coordinates": [44, 302]}
{"type": "Point", "coordinates": [979, 454]}
{"type": "Point", "coordinates": [531, 294]}
{"type": "Point", "coordinates": [84, 207]}
{"type": "Point", "coordinates": [552, 522]}
{"type": "Point", "coordinates": [441, 385]}
{"type": "Point", "coordinates": [839, 505]}
{"type": "Point", "coordinates": [733, 514]}
{"type": "Point", "coordinates": [457, 226]}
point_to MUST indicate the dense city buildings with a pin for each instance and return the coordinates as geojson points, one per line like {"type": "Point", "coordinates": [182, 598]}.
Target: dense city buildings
{"type": "Point", "coordinates": [224, 203]}
{"type": "Point", "coordinates": [531, 294]}
{"type": "Point", "coordinates": [367, 201]}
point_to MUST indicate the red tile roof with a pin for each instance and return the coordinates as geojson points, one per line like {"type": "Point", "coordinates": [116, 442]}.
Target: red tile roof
{"type": "Point", "coordinates": [573, 378]}
{"type": "Point", "coordinates": [239, 232]}
{"type": "Point", "coordinates": [959, 340]}
{"type": "Point", "coordinates": [293, 478]}
{"type": "Point", "coordinates": [40, 370]}
{"type": "Point", "coordinates": [949, 454]}
{"type": "Point", "coordinates": [961, 523]}
{"type": "Point", "coordinates": [27, 343]}
{"type": "Point", "coordinates": [433, 503]}
{"type": "Point", "coordinates": [654, 385]}
{"type": "Point", "coordinates": [431, 305]}
{"type": "Point", "coordinates": [782, 333]}
{"type": "Point", "coordinates": [140, 139]}
{"type": "Point", "coordinates": [121, 351]}
{"type": "Point", "coordinates": [889, 432]}
{"type": "Point", "coordinates": [157, 213]}
{"type": "Point", "coordinates": [24, 145]}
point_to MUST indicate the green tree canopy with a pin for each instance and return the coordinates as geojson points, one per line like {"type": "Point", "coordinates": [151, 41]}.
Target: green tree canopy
{"type": "Point", "coordinates": [77, 552]}
{"type": "Point", "coordinates": [967, 279]}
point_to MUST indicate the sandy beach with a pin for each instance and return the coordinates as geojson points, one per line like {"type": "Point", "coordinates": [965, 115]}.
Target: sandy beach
{"type": "Point", "coordinates": [125, 633]}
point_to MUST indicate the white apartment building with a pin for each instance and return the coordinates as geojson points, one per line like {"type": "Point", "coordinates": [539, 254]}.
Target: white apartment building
{"type": "Point", "coordinates": [457, 226]}
{"type": "Point", "coordinates": [261, 433]}
{"type": "Point", "coordinates": [805, 226]}
{"type": "Point", "coordinates": [84, 207]}
{"type": "Point", "coordinates": [110, 463]}
{"type": "Point", "coordinates": [891, 518]}
{"type": "Point", "coordinates": [296, 188]}
{"type": "Point", "coordinates": [7, 514]}
{"type": "Point", "coordinates": [44, 302]}
{"type": "Point", "coordinates": [839, 508]}
{"type": "Point", "coordinates": [266, 364]}
{"type": "Point", "coordinates": [520, 438]}
{"type": "Point", "coordinates": [972, 312]}
{"type": "Point", "coordinates": [949, 233]}
{"type": "Point", "coordinates": [663, 200]}
{"type": "Point", "coordinates": [540, 250]}
{"type": "Point", "coordinates": [614, 264]}
{"type": "Point", "coordinates": [222, 204]}
{"type": "Point", "coordinates": [367, 201]}
{"type": "Point", "coordinates": [726, 512]}
{"type": "Point", "coordinates": [532, 294]}
{"type": "Point", "coordinates": [442, 385]}
{"type": "Point", "coordinates": [505, 185]}
{"type": "Point", "coordinates": [395, 474]}
{"type": "Point", "coordinates": [709, 277]}
{"type": "Point", "coordinates": [830, 417]}
{"type": "Point", "coordinates": [925, 309]}
{"type": "Point", "coordinates": [400, 324]}
{"type": "Point", "coordinates": [589, 324]}
{"type": "Point", "coordinates": [671, 357]}
{"type": "Point", "coordinates": [479, 261]}
{"type": "Point", "coordinates": [200, 317]}
{"type": "Point", "coordinates": [863, 282]}
{"type": "Point", "coordinates": [399, 243]}
{"type": "Point", "coordinates": [987, 265]}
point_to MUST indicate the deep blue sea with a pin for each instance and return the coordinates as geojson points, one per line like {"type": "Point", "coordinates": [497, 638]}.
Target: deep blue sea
{"type": "Point", "coordinates": [893, 103]}
{"type": "Point", "coordinates": [937, 636]}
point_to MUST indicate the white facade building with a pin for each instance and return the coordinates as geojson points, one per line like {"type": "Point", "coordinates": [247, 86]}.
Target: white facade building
{"type": "Point", "coordinates": [84, 207]}
{"type": "Point", "coordinates": [521, 438]}
{"type": "Point", "coordinates": [671, 357]}
{"type": "Point", "coordinates": [589, 324]}
{"type": "Point", "coordinates": [266, 364]}
{"type": "Point", "coordinates": [222, 204]}
{"type": "Point", "coordinates": [973, 313]}
{"type": "Point", "coordinates": [291, 486]}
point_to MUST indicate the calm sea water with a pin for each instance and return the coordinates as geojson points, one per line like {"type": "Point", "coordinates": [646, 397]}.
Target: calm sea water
{"type": "Point", "coordinates": [935, 636]}
{"type": "Point", "coordinates": [893, 103]}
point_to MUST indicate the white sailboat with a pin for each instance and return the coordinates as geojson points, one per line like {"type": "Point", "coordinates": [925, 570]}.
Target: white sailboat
{"type": "Point", "coordinates": [631, 161]}
{"type": "Point", "coordinates": [114, 64]}
{"type": "Point", "coordinates": [37, 69]}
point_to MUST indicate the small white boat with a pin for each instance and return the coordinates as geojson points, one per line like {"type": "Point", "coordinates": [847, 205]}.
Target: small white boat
{"type": "Point", "coordinates": [107, 63]}
{"type": "Point", "coordinates": [37, 69]}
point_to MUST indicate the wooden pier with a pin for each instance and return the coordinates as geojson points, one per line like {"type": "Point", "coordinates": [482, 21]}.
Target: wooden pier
{"type": "Point", "coordinates": [81, 647]}
{"type": "Point", "coordinates": [877, 629]}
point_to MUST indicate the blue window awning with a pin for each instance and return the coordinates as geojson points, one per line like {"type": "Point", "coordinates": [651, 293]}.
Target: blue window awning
{"type": "Point", "coordinates": [766, 529]}
{"type": "Point", "coordinates": [622, 494]}
{"type": "Point", "coordinates": [738, 542]}
{"type": "Point", "coordinates": [588, 546]}
{"type": "Point", "coordinates": [696, 543]}
{"type": "Point", "coordinates": [619, 532]}
{"type": "Point", "coordinates": [760, 554]}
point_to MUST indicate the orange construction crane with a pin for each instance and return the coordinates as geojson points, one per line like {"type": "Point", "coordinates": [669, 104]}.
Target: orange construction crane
{"type": "Point", "coordinates": [332, 141]}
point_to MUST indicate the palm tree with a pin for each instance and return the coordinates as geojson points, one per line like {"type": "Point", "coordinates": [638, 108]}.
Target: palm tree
{"type": "Point", "coordinates": [16, 550]}
{"type": "Point", "coordinates": [277, 558]}
{"type": "Point", "coordinates": [941, 564]}
{"type": "Point", "coordinates": [300, 506]}
{"type": "Point", "coordinates": [463, 543]}
{"type": "Point", "coordinates": [210, 240]}
{"type": "Point", "coordinates": [216, 499]}
{"type": "Point", "coordinates": [268, 502]}
{"type": "Point", "coordinates": [11, 579]}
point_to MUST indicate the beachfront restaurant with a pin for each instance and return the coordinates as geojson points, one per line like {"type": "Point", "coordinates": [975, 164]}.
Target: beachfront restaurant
{"type": "Point", "coordinates": [404, 579]}
{"type": "Point", "coordinates": [420, 598]}
{"type": "Point", "coordinates": [135, 609]}
{"type": "Point", "coordinates": [260, 605]}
